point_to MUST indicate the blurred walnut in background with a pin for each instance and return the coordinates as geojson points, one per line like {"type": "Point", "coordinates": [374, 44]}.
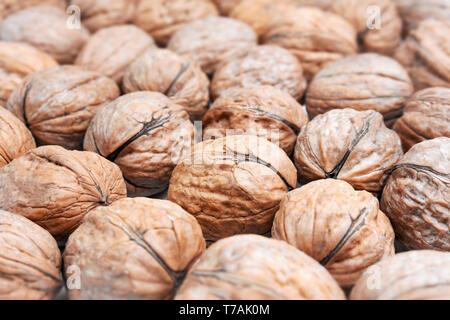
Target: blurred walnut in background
{"type": "Point", "coordinates": [8, 7]}
{"type": "Point", "coordinates": [226, 6]}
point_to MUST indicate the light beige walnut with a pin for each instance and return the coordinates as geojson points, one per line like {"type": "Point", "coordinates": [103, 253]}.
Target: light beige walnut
{"type": "Point", "coordinates": [8, 7]}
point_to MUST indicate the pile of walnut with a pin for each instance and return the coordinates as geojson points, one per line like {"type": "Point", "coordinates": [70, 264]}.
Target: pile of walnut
{"type": "Point", "coordinates": [225, 149]}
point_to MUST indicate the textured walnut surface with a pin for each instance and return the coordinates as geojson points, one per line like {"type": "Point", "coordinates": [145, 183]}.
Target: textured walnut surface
{"type": "Point", "coordinates": [164, 71]}
{"type": "Point", "coordinates": [145, 134]}
{"type": "Point", "coordinates": [45, 28]}
{"type": "Point", "coordinates": [413, 275]}
{"type": "Point", "coordinates": [29, 260]}
{"type": "Point", "coordinates": [8, 7]}
{"type": "Point", "coordinates": [417, 195]}
{"type": "Point", "coordinates": [262, 65]}
{"type": "Point", "coordinates": [55, 187]}
{"type": "Point", "coordinates": [354, 146]}
{"type": "Point", "coordinates": [341, 228]}
{"type": "Point", "coordinates": [254, 267]}
{"type": "Point", "coordinates": [233, 185]}
{"type": "Point", "coordinates": [426, 116]}
{"type": "Point", "coordinates": [261, 110]}
{"type": "Point", "coordinates": [133, 249]}
{"type": "Point", "coordinates": [57, 104]}
{"type": "Point", "coordinates": [213, 41]}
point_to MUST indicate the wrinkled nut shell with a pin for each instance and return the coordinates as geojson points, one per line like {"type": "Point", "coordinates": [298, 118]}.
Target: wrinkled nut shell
{"type": "Point", "coordinates": [57, 104]}
{"type": "Point", "coordinates": [55, 187]}
{"type": "Point", "coordinates": [8, 7]}
{"type": "Point", "coordinates": [145, 134]}
{"type": "Point", "coordinates": [413, 275]}
{"type": "Point", "coordinates": [341, 228]}
{"type": "Point", "coordinates": [232, 185]}
{"type": "Point", "coordinates": [417, 195]}
{"type": "Point", "coordinates": [133, 249]}
{"type": "Point", "coordinates": [254, 267]}
{"type": "Point", "coordinates": [263, 111]}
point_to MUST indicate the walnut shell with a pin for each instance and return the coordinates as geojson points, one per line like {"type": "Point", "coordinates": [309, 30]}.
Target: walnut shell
{"type": "Point", "coordinates": [232, 185]}
{"type": "Point", "coordinates": [213, 41]}
{"type": "Point", "coordinates": [57, 104]}
{"type": "Point", "coordinates": [17, 60]}
{"type": "Point", "coordinates": [46, 29]}
{"type": "Point", "coordinates": [413, 275]}
{"type": "Point", "coordinates": [263, 111]}
{"type": "Point", "coordinates": [8, 7]}
{"type": "Point", "coordinates": [55, 187]}
{"type": "Point", "coordinates": [426, 116]}
{"type": "Point", "coordinates": [145, 134]}
{"type": "Point", "coordinates": [15, 138]}
{"type": "Point", "coordinates": [253, 267]}
{"type": "Point", "coordinates": [133, 249]}
{"type": "Point", "coordinates": [341, 228]}
{"type": "Point", "coordinates": [417, 195]}
{"type": "Point", "coordinates": [354, 146]}
{"type": "Point", "coordinates": [112, 50]}
{"type": "Point", "coordinates": [362, 82]}
{"type": "Point", "coordinates": [29, 260]}
{"type": "Point", "coordinates": [164, 71]}
{"type": "Point", "coordinates": [226, 6]}
{"type": "Point", "coordinates": [262, 65]}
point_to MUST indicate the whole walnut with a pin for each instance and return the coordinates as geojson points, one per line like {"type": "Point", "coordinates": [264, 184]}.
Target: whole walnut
{"type": "Point", "coordinates": [232, 185]}
{"type": "Point", "coordinates": [145, 134]}
{"type": "Point", "coordinates": [8, 7]}
{"type": "Point", "coordinates": [314, 44]}
{"type": "Point", "coordinates": [57, 104]}
{"type": "Point", "coordinates": [354, 146]}
{"type": "Point", "coordinates": [133, 249]}
{"type": "Point", "coordinates": [46, 29]}
{"type": "Point", "coordinates": [112, 50]}
{"type": "Point", "coordinates": [162, 70]}
{"type": "Point", "coordinates": [363, 82]}
{"type": "Point", "coordinates": [15, 138]}
{"type": "Point", "coordinates": [341, 228]}
{"type": "Point", "coordinates": [162, 18]}
{"type": "Point", "coordinates": [17, 60]}
{"type": "Point", "coordinates": [252, 267]}
{"type": "Point", "coordinates": [413, 275]}
{"type": "Point", "coordinates": [29, 260]}
{"type": "Point", "coordinates": [426, 54]}
{"type": "Point", "coordinates": [55, 187]}
{"type": "Point", "coordinates": [426, 116]}
{"type": "Point", "coordinates": [262, 111]}
{"type": "Point", "coordinates": [262, 65]}
{"type": "Point", "coordinates": [417, 195]}
{"type": "Point", "coordinates": [213, 41]}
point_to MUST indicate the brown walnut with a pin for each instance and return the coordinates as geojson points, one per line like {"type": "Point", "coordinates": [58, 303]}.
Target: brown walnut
{"type": "Point", "coordinates": [55, 187]}
{"type": "Point", "coordinates": [57, 104]}
{"type": "Point", "coordinates": [8, 7]}
{"type": "Point", "coordinates": [257, 268]}
{"type": "Point", "coordinates": [226, 6]}
{"type": "Point", "coordinates": [145, 134]}
{"type": "Point", "coordinates": [341, 228]}
{"type": "Point", "coordinates": [133, 249]}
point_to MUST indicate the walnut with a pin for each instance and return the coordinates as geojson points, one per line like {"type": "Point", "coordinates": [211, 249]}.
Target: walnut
{"type": "Point", "coordinates": [17, 60]}
{"type": "Point", "coordinates": [253, 267]}
{"type": "Point", "coordinates": [341, 228]}
{"type": "Point", "coordinates": [213, 41]}
{"type": "Point", "coordinates": [262, 65]}
{"type": "Point", "coordinates": [226, 6]}
{"type": "Point", "coordinates": [145, 134]}
{"type": "Point", "coordinates": [261, 110]}
{"type": "Point", "coordinates": [162, 70]}
{"type": "Point", "coordinates": [8, 7]}
{"type": "Point", "coordinates": [362, 82]}
{"type": "Point", "coordinates": [57, 104]}
{"type": "Point", "coordinates": [46, 29]}
{"type": "Point", "coordinates": [29, 260]}
{"type": "Point", "coordinates": [55, 187]}
{"type": "Point", "coordinates": [232, 185]}
{"type": "Point", "coordinates": [354, 146]}
{"type": "Point", "coordinates": [426, 116]}
{"type": "Point", "coordinates": [417, 194]}
{"type": "Point", "coordinates": [112, 50]}
{"type": "Point", "coordinates": [133, 249]}
{"type": "Point", "coordinates": [15, 138]}
{"type": "Point", "coordinates": [413, 275]}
